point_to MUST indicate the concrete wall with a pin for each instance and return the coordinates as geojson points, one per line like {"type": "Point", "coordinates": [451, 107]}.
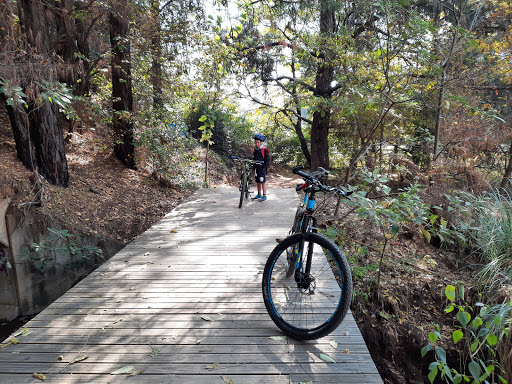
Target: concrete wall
{"type": "Point", "coordinates": [27, 290]}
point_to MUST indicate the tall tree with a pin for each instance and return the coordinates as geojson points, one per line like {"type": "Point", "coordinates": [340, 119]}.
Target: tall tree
{"type": "Point", "coordinates": [122, 99]}
{"type": "Point", "coordinates": [39, 139]}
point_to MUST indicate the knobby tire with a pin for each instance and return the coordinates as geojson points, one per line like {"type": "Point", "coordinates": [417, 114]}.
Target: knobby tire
{"type": "Point", "coordinates": [314, 312]}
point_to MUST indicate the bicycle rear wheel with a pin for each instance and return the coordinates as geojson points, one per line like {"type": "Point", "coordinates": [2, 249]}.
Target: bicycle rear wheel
{"type": "Point", "coordinates": [243, 186]}
{"type": "Point", "coordinates": [313, 309]}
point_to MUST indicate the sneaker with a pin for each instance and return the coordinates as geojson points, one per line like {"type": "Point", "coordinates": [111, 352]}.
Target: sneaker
{"type": "Point", "coordinates": [258, 196]}
{"type": "Point", "coordinates": [263, 198]}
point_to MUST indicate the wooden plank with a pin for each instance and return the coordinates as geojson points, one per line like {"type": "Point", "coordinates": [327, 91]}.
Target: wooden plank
{"type": "Point", "coordinates": [146, 349]}
{"type": "Point", "coordinates": [167, 378]}
{"type": "Point", "coordinates": [239, 368]}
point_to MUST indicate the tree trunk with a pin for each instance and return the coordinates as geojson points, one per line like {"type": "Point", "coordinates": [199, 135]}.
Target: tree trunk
{"type": "Point", "coordinates": [302, 139]}
{"type": "Point", "coordinates": [324, 78]}
{"type": "Point", "coordinates": [122, 88]}
{"type": "Point", "coordinates": [65, 45]}
{"type": "Point", "coordinates": [508, 171]}
{"type": "Point", "coordinates": [41, 130]}
{"type": "Point", "coordinates": [156, 55]}
{"type": "Point", "coordinates": [48, 141]}
{"type": "Point", "coordinates": [20, 129]}
{"type": "Point", "coordinates": [439, 111]}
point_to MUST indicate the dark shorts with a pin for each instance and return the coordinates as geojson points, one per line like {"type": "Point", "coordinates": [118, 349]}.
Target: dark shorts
{"type": "Point", "coordinates": [260, 175]}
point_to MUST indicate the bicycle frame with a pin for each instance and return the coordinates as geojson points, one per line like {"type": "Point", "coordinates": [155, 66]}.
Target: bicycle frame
{"type": "Point", "coordinates": [244, 183]}
{"type": "Point", "coordinates": [303, 275]}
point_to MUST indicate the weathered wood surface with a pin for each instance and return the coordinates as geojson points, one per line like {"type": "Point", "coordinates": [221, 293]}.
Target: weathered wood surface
{"type": "Point", "coordinates": [183, 304]}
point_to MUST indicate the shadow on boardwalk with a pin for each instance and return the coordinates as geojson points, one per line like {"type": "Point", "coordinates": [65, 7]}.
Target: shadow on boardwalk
{"type": "Point", "coordinates": [183, 304]}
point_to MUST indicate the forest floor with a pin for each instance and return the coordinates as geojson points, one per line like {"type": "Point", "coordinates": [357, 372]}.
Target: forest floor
{"type": "Point", "coordinates": [107, 199]}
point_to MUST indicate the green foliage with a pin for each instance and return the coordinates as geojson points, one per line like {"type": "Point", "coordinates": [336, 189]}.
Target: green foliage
{"type": "Point", "coordinates": [200, 122]}
{"type": "Point", "coordinates": [482, 224]}
{"type": "Point", "coordinates": [4, 260]}
{"type": "Point", "coordinates": [330, 232]}
{"type": "Point", "coordinates": [360, 270]}
{"type": "Point", "coordinates": [389, 212]}
{"type": "Point", "coordinates": [171, 157]}
{"type": "Point", "coordinates": [13, 94]}
{"type": "Point", "coordinates": [58, 94]}
{"type": "Point", "coordinates": [479, 330]}
{"type": "Point", "coordinates": [207, 128]}
{"type": "Point", "coordinates": [60, 243]}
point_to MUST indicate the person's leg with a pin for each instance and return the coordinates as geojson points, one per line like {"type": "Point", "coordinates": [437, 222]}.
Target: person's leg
{"type": "Point", "coordinates": [264, 188]}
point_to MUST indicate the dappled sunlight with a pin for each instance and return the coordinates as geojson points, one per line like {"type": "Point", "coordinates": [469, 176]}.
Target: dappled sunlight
{"type": "Point", "coordinates": [184, 299]}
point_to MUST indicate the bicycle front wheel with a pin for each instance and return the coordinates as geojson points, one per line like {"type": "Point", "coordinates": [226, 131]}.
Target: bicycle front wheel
{"type": "Point", "coordinates": [307, 306]}
{"type": "Point", "coordinates": [243, 186]}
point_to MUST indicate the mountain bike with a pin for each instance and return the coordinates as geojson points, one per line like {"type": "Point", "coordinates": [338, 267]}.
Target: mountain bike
{"type": "Point", "coordinates": [244, 183]}
{"type": "Point", "coordinates": [307, 283]}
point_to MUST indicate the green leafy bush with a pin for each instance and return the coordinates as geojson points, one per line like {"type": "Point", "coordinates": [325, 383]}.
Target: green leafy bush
{"type": "Point", "coordinates": [60, 243]}
{"type": "Point", "coordinates": [480, 330]}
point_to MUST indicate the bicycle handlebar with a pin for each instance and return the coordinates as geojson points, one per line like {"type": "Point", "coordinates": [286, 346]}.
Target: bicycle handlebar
{"type": "Point", "coordinates": [235, 158]}
{"type": "Point", "coordinates": [313, 179]}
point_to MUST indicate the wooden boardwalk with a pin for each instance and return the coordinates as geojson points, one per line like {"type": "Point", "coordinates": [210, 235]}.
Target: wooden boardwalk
{"type": "Point", "coordinates": [183, 304]}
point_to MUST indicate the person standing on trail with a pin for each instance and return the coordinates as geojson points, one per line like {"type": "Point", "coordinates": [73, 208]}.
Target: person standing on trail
{"type": "Point", "coordinates": [261, 153]}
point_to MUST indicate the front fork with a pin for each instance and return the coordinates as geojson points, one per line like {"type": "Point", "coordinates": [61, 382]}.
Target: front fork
{"type": "Point", "coordinates": [303, 275]}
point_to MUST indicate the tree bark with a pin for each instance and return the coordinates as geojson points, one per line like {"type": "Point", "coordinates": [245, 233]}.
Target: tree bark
{"type": "Point", "coordinates": [41, 130]}
{"type": "Point", "coordinates": [156, 55]}
{"type": "Point", "coordinates": [48, 141]}
{"type": "Point", "coordinates": [303, 142]}
{"type": "Point", "coordinates": [508, 171]}
{"type": "Point", "coordinates": [20, 129]}
{"type": "Point", "coordinates": [122, 87]}
{"type": "Point", "coordinates": [323, 90]}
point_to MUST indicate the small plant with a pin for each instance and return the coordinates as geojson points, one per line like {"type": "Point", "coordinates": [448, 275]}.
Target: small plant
{"type": "Point", "coordinates": [13, 94]}
{"type": "Point", "coordinates": [389, 212]}
{"type": "Point", "coordinates": [207, 133]}
{"type": "Point", "coordinates": [60, 243]}
{"type": "Point", "coordinates": [480, 330]}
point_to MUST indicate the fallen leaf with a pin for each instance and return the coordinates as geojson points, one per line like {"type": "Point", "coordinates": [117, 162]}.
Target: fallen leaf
{"type": "Point", "coordinates": [60, 357]}
{"type": "Point", "coordinates": [78, 359]}
{"type": "Point", "coordinates": [21, 332]}
{"type": "Point", "coordinates": [211, 366]}
{"type": "Point", "coordinates": [125, 369]}
{"type": "Point", "coordinates": [154, 353]}
{"type": "Point", "coordinates": [39, 376]}
{"type": "Point", "coordinates": [327, 358]}
{"type": "Point", "coordinates": [277, 337]}
{"type": "Point", "coordinates": [136, 372]}
{"type": "Point", "coordinates": [346, 351]}
{"type": "Point", "coordinates": [207, 350]}
{"type": "Point", "coordinates": [334, 344]}
{"type": "Point", "coordinates": [174, 231]}
{"type": "Point", "coordinates": [207, 318]}
{"type": "Point", "coordinates": [227, 380]}
{"type": "Point", "coordinates": [346, 333]}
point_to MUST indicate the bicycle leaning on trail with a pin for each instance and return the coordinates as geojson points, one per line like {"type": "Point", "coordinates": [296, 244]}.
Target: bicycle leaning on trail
{"type": "Point", "coordinates": [307, 283]}
{"type": "Point", "coordinates": [244, 184]}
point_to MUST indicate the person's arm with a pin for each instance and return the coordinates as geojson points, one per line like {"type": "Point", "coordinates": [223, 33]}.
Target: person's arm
{"type": "Point", "coordinates": [266, 159]}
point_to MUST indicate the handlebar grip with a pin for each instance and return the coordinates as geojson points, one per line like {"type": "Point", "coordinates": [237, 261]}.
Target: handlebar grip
{"type": "Point", "coordinates": [325, 171]}
{"type": "Point", "coordinates": [297, 169]}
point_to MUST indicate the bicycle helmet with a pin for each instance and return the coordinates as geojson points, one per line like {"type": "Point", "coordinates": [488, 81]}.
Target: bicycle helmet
{"type": "Point", "coordinates": [259, 137]}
